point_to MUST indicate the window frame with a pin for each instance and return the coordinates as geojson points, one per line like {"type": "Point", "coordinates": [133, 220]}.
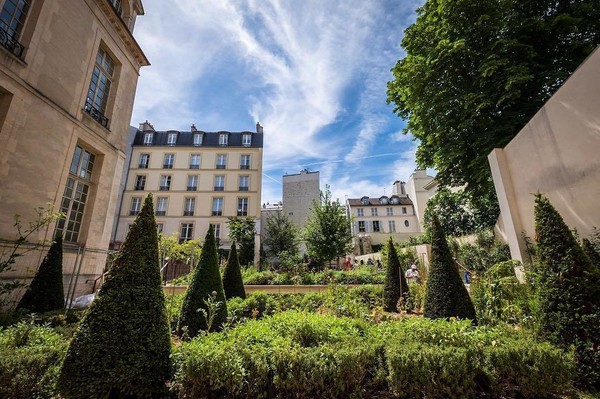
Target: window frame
{"type": "Point", "coordinates": [102, 80]}
{"type": "Point", "coordinates": [160, 201]}
{"type": "Point", "coordinates": [219, 178]}
{"type": "Point", "coordinates": [165, 179]}
{"type": "Point", "coordinates": [168, 160]}
{"type": "Point", "coordinates": [217, 206]}
{"type": "Point", "coordinates": [146, 158]}
{"type": "Point", "coordinates": [243, 205]}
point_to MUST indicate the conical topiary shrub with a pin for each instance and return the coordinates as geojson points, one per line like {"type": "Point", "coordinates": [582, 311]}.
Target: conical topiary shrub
{"type": "Point", "coordinates": [569, 292]}
{"type": "Point", "coordinates": [206, 287]}
{"type": "Point", "coordinates": [46, 291]}
{"type": "Point", "coordinates": [233, 284]}
{"type": "Point", "coordinates": [122, 346]}
{"type": "Point", "coordinates": [393, 287]}
{"type": "Point", "coordinates": [591, 252]}
{"type": "Point", "coordinates": [446, 295]}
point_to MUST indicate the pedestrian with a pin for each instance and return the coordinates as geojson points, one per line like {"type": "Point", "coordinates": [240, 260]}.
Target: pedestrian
{"type": "Point", "coordinates": [467, 277]}
{"type": "Point", "coordinates": [378, 262]}
{"type": "Point", "coordinates": [348, 264]}
{"type": "Point", "coordinates": [412, 274]}
{"type": "Point", "coordinates": [369, 262]}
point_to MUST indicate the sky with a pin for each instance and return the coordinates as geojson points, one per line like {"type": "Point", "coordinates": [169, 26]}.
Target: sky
{"type": "Point", "coordinates": [313, 72]}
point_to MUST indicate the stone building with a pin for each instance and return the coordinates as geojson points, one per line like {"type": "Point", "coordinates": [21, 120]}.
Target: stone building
{"type": "Point", "coordinates": [68, 76]}
{"type": "Point", "coordinates": [300, 190]}
{"type": "Point", "coordinates": [197, 179]}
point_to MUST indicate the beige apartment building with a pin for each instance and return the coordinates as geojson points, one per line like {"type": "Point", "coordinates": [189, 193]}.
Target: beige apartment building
{"type": "Point", "coordinates": [197, 179]}
{"type": "Point", "coordinates": [68, 76]}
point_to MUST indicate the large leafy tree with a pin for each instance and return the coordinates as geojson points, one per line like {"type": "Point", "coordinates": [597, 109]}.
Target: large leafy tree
{"type": "Point", "coordinates": [122, 346]}
{"type": "Point", "coordinates": [327, 232]}
{"type": "Point", "coordinates": [281, 235]}
{"type": "Point", "coordinates": [242, 230]}
{"type": "Point", "coordinates": [476, 71]}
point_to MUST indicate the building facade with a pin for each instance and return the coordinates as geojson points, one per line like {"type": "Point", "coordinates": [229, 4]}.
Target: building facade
{"type": "Point", "coordinates": [68, 76]}
{"type": "Point", "coordinates": [197, 179]}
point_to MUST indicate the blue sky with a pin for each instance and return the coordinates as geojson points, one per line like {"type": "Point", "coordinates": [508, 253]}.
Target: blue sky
{"type": "Point", "coordinates": [313, 72]}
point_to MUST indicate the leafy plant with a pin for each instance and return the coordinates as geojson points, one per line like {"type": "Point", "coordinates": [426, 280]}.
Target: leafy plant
{"type": "Point", "coordinates": [233, 285]}
{"type": "Point", "coordinates": [241, 230]}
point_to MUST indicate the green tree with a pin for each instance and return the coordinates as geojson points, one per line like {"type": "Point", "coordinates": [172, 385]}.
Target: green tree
{"type": "Point", "coordinates": [476, 71]}
{"type": "Point", "coordinates": [122, 346]}
{"type": "Point", "coordinates": [446, 294]}
{"type": "Point", "coordinates": [591, 252]}
{"type": "Point", "coordinates": [395, 285]}
{"type": "Point", "coordinates": [569, 292]}
{"type": "Point", "coordinates": [281, 235]}
{"type": "Point", "coordinates": [242, 230]}
{"type": "Point", "coordinates": [206, 280]}
{"type": "Point", "coordinates": [233, 284]}
{"type": "Point", "coordinates": [46, 291]}
{"type": "Point", "coordinates": [327, 233]}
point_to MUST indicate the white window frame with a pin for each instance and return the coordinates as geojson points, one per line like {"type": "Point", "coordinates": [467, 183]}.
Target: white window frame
{"type": "Point", "coordinates": [168, 161]}
{"type": "Point", "coordinates": [223, 139]}
{"type": "Point", "coordinates": [136, 206]}
{"type": "Point", "coordinates": [217, 206]}
{"type": "Point", "coordinates": [392, 226]}
{"type": "Point", "coordinates": [246, 140]}
{"type": "Point", "coordinates": [243, 204]}
{"type": "Point", "coordinates": [197, 139]}
{"type": "Point", "coordinates": [192, 182]}
{"type": "Point", "coordinates": [144, 162]}
{"type": "Point", "coordinates": [360, 212]}
{"type": "Point", "coordinates": [148, 138]}
{"type": "Point", "coordinates": [221, 161]}
{"type": "Point", "coordinates": [161, 206]}
{"type": "Point", "coordinates": [193, 159]}
{"type": "Point", "coordinates": [171, 138]}
{"type": "Point", "coordinates": [189, 206]}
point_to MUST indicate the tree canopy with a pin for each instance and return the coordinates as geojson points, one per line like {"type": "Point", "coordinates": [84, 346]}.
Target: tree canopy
{"type": "Point", "coordinates": [476, 71]}
{"type": "Point", "coordinates": [241, 230]}
{"type": "Point", "coordinates": [281, 235]}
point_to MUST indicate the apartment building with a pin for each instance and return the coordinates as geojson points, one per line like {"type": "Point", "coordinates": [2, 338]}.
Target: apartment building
{"type": "Point", "coordinates": [197, 179]}
{"type": "Point", "coordinates": [68, 76]}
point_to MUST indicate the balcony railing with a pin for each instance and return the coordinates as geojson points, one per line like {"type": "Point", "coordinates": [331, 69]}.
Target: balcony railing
{"type": "Point", "coordinates": [192, 188]}
{"type": "Point", "coordinates": [165, 188]}
{"type": "Point", "coordinates": [188, 213]}
{"type": "Point", "coordinates": [168, 166]}
{"type": "Point", "coordinates": [133, 212]}
{"type": "Point", "coordinates": [139, 188]}
{"type": "Point", "coordinates": [160, 213]}
{"type": "Point", "coordinates": [217, 213]}
{"type": "Point", "coordinates": [242, 213]}
{"type": "Point", "coordinates": [220, 166]}
{"type": "Point", "coordinates": [243, 188]}
{"type": "Point", "coordinates": [143, 166]}
{"type": "Point", "coordinates": [11, 44]}
{"type": "Point", "coordinates": [219, 188]}
{"type": "Point", "coordinates": [244, 166]}
{"type": "Point", "coordinates": [95, 113]}
{"type": "Point", "coordinates": [194, 166]}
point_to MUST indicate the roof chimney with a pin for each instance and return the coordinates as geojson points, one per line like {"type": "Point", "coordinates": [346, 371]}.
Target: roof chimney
{"type": "Point", "coordinates": [259, 128]}
{"type": "Point", "coordinates": [146, 127]}
{"type": "Point", "coordinates": [194, 128]}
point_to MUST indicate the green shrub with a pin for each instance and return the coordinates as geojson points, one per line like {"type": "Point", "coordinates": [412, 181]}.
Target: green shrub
{"type": "Point", "coordinates": [46, 292]}
{"type": "Point", "coordinates": [233, 285]}
{"type": "Point", "coordinates": [486, 251]}
{"type": "Point", "coordinates": [446, 294]}
{"type": "Point", "coordinates": [393, 287]}
{"type": "Point", "coordinates": [205, 283]}
{"type": "Point", "coordinates": [122, 346]}
{"type": "Point", "coordinates": [592, 252]}
{"type": "Point", "coordinates": [569, 292]}
{"type": "Point", "coordinates": [30, 358]}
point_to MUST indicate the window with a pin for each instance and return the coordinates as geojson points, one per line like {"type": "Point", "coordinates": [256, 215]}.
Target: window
{"type": "Point", "coordinates": [244, 183]}
{"type": "Point", "coordinates": [360, 212]}
{"type": "Point", "coordinates": [217, 229]}
{"type": "Point", "coordinates": [140, 183]}
{"type": "Point", "coordinates": [192, 183]}
{"type": "Point", "coordinates": [389, 211]}
{"type": "Point", "coordinates": [361, 226]}
{"type": "Point", "coordinates": [165, 183]}
{"type": "Point", "coordinates": [404, 210]}
{"type": "Point", "coordinates": [376, 227]}
{"type": "Point", "coordinates": [221, 161]}
{"type": "Point", "coordinates": [12, 19]}
{"type": "Point", "coordinates": [148, 137]}
{"type": "Point", "coordinates": [217, 208]}
{"type": "Point", "coordinates": [172, 139]}
{"type": "Point", "coordinates": [168, 161]}
{"type": "Point", "coordinates": [392, 226]}
{"type": "Point", "coordinates": [75, 195]}
{"type": "Point", "coordinates": [161, 206]}
{"type": "Point", "coordinates": [189, 206]}
{"type": "Point", "coordinates": [117, 6]}
{"type": "Point", "coordinates": [245, 162]}
{"type": "Point", "coordinates": [406, 223]}
{"type": "Point", "coordinates": [364, 200]}
{"type": "Point", "coordinates": [159, 228]}
{"type": "Point", "coordinates": [223, 138]}
{"type": "Point", "coordinates": [242, 207]}
{"type": "Point", "coordinates": [373, 211]}
{"type": "Point", "coordinates": [97, 98]}
{"type": "Point", "coordinates": [246, 140]}
{"type": "Point", "coordinates": [197, 138]}
{"type": "Point", "coordinates": [144, 161]}
{"type": "Point", "coordinates": [195, 161]}
{"type": "Point", "coordinates": [136, 206]}
{"type": "Point", "coordinates": [219, 183]}
{"type": "Point", "coordinates": [383, 200]}
{"type": "Point", "coordinates": [187, 232]}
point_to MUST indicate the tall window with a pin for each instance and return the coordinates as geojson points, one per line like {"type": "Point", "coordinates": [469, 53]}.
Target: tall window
{"type": "Point", "coordinates": [373, 211]}
{"type": "Point", "coordinates": [172, 139]}
{"type": "Point", "coordinates": [361, 226]}
{"type": "Point", "coordinates": [389, 211]}
{"type": "Point", "coordinates": [376, 227]}
{"type": "Point", "coordinates": [392, 226]}
{"type": "Point", "coordinates": [165, 183]}
{"type": "Point", "coordinates": [246, 140]}
{"type": "Point", "coordinates": [189, 206]}
{"type": "Point", "coordinates": [242, 207]}
{"type": "Point", "coordinates": [161, 206]}
{"type": "Point", "coordinates": [160, 227]}
{"type": "Point", "coordinates": [136, 206]}
{"type": "Point", "coordinates": [187, 232]}
{"type": "Point", "coordinates": [244, 183]}
{"type": "Point", "coordinates": [217, 207]}
{"type": "Point", "coordinates": [76, 193]}
{"type": "Point", "coordinates": [195, 161]}
{"type": "Point", "coordinates": [360, 212]}
{"type": "Point", "coordinates": [140, 182]}
{"type": "Point", "coordinates": [223, 139]}
{"type": "Point", "coordinates": [148, 137]}
{"type": "Point", "coordinates": [217, 229]}
{"type": "Point", "coordinates": [404, 210]}
{"type": "Point", "coordinates": [192, 183]}
{"type": "Point", "coordinates": [245, 162]}
{"type": "Point", "coordinates": [102, 77]}
{"type": "Point", "coordinates": [12, 19]}
{"type": "Point", "coordinates": [144, 161]}
{"type": "Point", "coordinates": [197, 138]}
{"type": "Point", "coordinates": [221, 161]}
{"type": "Point", "coordinates": [117, 6]}
{"type": "Point", "coordinates": [219, 183]}
{"type": "Point", "coordinates": [168, 161]}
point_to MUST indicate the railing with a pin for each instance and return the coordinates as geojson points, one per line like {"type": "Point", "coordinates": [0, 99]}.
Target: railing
{"type": "Point", "coordinates": [11, 44]}
{"type": "Point", "coordinates": [244, 166]}
{"type": "Point", "coordinates": [192, 188]}
{"type": "Point", "coordinates": [160, 213]}
{"type": "Point", "coordinates": [139, 188]}
{"type": "Point", "coordinates": [188, 213]}
{"type": "Point", "coordinates": [243, 188]}
{"type": "Point", "coordinates": [133, 213]}
{"type": "Point", "coordinates": [95, 113]}
{"type": "Point", "coordinates": [194, 166]}
{"type": "Point", "coordinates": [168, 166]}
{"type": "Point", "coordinates": [219, 188]}
{"type": "Point", "coordinates": [165, 188]}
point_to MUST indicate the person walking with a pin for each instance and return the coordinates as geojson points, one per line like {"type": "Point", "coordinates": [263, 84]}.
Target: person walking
{"type": "Point", "coordinates": [412, 274]}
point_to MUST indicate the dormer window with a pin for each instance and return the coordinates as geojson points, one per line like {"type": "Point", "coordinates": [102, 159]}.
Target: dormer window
{"type": "Point", "coordinates": [384, 200]}
{"type": "Point", "coordinates": [148, 138]}
{"type": "Point", "coordinates": [364, 200]}
{"type": "Point", "coordinates": [223, 138]}
{"type": "Point", "coordinates": [172, 139]}
{"type": "Point", "coordinates": [246, 140]}
{"type": "Point", "coordinates": [197, 138]}
{"type": "Point", "coordinates": [395, 200]}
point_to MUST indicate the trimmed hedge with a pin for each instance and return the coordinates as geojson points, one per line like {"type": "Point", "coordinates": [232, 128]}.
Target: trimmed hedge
{"type": "Point", "coordinates": [393, 288]}
{"type": "Point", "coordinates": [232, 276]}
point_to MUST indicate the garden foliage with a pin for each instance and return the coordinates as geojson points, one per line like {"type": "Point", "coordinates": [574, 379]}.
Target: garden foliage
{"type": "Point", "coordinates": [569, 292]}
{"type": "Point", "coordinates": [232, 276]}
{"type": "Point", "coordinates": [206, 280]}
{"type": "Point", "coordinates": [46, 291]}
{"type": "Point", "coordinates": [122, 346]}
{"type": "Point", "coordinates": [395, 286]}
{"type": "Point", "coordinates": [446, 294]}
